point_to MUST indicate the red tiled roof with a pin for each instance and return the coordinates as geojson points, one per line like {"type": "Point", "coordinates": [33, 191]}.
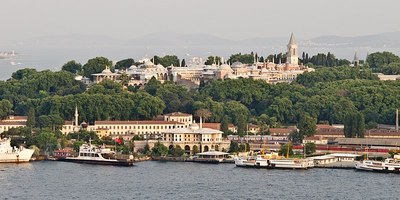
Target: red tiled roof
{"type": "Point", "coordinates": [212, 125]}
{"type": "Point", "coordinates": [312, 138]}
{"type": "Point", "coordinates": [324, 126]}
{"type": "Point", "coordinates": [11, 123]}
{"type": "Point", "coordinates": [68, 123]}
{"type": "Point", "coordinates": [330, 133]}
{"type": "Point", "coordinates": [253, 126]}
{"type": "Point", "coordinates": [179, 114]}
{"type": "Point", "coordinates": [281, 130]}
{"type": "Point", "coordinates": [136, 122]}
{"type": "Point", "coordinates": [16, 118]}
{"type": "Point", "coordinates": [63, 150]}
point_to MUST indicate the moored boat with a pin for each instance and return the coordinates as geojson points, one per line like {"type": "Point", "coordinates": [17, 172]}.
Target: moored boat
{"type": "Point", "coordinates": [370, 165]}
{"type": "Point", "coordinates": [260, 162]}
{"type": "Point", "coordinates": [211, 157]}
{"type": "Point", "coordinates": [91, 154]}
{"type": "Point", "coordinates": [391, 165]}
{"type": "Point", "coordinates": [10, 154]}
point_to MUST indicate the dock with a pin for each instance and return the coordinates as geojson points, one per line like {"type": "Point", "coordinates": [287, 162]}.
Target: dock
{"type": "Point", "coordinates": [337, 165]}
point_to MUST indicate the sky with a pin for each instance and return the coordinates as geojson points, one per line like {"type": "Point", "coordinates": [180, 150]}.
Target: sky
{"type": "Point", "coordinates": [230, 19]}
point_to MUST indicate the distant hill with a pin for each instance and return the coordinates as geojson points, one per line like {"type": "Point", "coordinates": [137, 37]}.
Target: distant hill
{"type": "Point", "coordinates": [389, 40]}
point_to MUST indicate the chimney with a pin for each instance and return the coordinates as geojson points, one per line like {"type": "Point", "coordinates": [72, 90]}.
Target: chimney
{"type": "Point", "coordinates": [201, 122]}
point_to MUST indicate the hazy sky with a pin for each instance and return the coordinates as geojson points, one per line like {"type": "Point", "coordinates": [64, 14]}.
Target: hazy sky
{"type": "Point", "coordinates": [232, 19]}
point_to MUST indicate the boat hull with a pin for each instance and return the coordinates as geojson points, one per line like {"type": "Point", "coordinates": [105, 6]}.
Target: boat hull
{"type": "Point", "coordinates": [271, 164]}
{"type": "Point", "coordinates": [16, 157]}
{"type": "Point", "coordinates": [385, 168]}
{"type": "Point", "coordinates": [100, 162]}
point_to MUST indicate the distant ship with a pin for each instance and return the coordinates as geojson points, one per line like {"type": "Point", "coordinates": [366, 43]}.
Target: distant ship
{"type": "Point", "coordinates": [10, 154]}
{"type": "Point", "coordinates": [7, 55]}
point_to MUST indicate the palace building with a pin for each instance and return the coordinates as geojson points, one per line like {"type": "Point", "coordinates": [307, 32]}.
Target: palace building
{"type": "Point", "coordinates": [196, 71]}
{"type": "Point", "coordinates": [12, 122]}
{"type": "Point", "coordinates": [195, 137]}
{"type": "Point", "coordinates": [128, 129]}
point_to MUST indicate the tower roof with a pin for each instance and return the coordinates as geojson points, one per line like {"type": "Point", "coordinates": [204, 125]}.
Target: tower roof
{"type": "Point", "coordinates": [292, 40]}
{"type": "Point", "coordinates": [355, 56]}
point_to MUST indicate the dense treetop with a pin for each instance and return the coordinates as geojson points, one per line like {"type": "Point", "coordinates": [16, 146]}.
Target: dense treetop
{"type": "Point", "coordinates": [327, 95]}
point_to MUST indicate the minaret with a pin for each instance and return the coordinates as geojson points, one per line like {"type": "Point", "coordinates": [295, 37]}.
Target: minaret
{"type": "Point", "coordinates": [356, 60]}
{"type": "Point", "coordinates": [397, 119]}
{"type": "Point", "coordinates": [76, 119]}
{"type": "Point", "coordinates": [292, 51]}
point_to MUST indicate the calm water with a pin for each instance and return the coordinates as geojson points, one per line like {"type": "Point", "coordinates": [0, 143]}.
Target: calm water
{"type": "Point", "coordinates": [169, 180]}
{"type": "Point", "coordinates": [54, 56]}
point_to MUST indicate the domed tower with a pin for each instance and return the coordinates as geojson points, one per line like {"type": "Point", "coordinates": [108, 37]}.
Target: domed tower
{"type": "Point", "coordinates": [292, 53]}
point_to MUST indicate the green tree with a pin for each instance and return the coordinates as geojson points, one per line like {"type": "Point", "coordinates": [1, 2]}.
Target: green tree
{"type": "Point", "coordinates": [244, 147]}
{"type": "Point", "coordinates": [96, 65]}
{"type": "Point", "coordinates": [167, 60]}
{"type": "Point", "coordinates": [152, 86]}
{"type": "Point", "coordinates": [124, 79]}
{"type": "Point", "coordinates": [310, 148]}
{"type": "Point", "coordinates": [147, 150]}
{"type": "Point", "coordinates": [23, 73]}
{"type": "Point", "coordinates": [56, 121]}
{"type": "Point", "coordinates": [392, 68]}
{"type": "Point", "coordinates": [284, 149]}
{"type": "Point", "coordinates": [296, 137]}
{"type": "Point", "coordinates": [124, 64]}
{"type": "Point", "coordinates": [31, 121]}
{"type": "Point", "coordinates": [195, 149]}
{"type": "Point", "coordinates": [243, 58]}
{"type": "Point", "coordinates": [177, 151]}
{"type": "Point", "coordinates": [159, 149]}
{"type": "Point", "coordinates": [354, 125]}
{"type": "Point", "coordinates": [183, 63]}
{"type": "Point", "coordinates": [77, 145]}
{"type": "Point", "coordinates": [205, 114]}
{"type": "Point", "coordinates": [72, 66]}
{"type": "Point", "coordinates": [106, 87]}
{"type": "Point", "coordinates": [5, 108]}
{"type": "Point", "coordinates": [213, 60]}
{"type": "Point", "coordinates": [378, 60]}
{"type": "Point", "coordinates": [47, 141]}
{"type": "Point", "coordinates": [307, 125]}
{"type": "Point", "coordinates": [233, 147]}
{"type": "Point", "coordinates": [225, 124]}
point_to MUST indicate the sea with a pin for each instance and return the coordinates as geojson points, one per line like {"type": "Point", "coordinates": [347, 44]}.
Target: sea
{"type": "Point", "coordinates": [52, 56]}
{"type": "Point", "coordinates": [183, 180]}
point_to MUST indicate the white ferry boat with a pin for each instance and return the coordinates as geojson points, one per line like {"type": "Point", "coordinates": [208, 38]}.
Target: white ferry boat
{"type": "Point", "coordinates": [211, 156]}
{"type": "Point", "coordinates": [390, 165]}
{"type": "Point", "coordinates": [10, 154]}
{"type": "Point", "coordinates": [260, 162]}
{"type": "Point", "coordinates": [91, 154]}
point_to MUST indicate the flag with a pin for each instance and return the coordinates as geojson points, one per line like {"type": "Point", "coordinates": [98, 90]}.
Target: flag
{"type": "Point", "coordinates": [118, 140]}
